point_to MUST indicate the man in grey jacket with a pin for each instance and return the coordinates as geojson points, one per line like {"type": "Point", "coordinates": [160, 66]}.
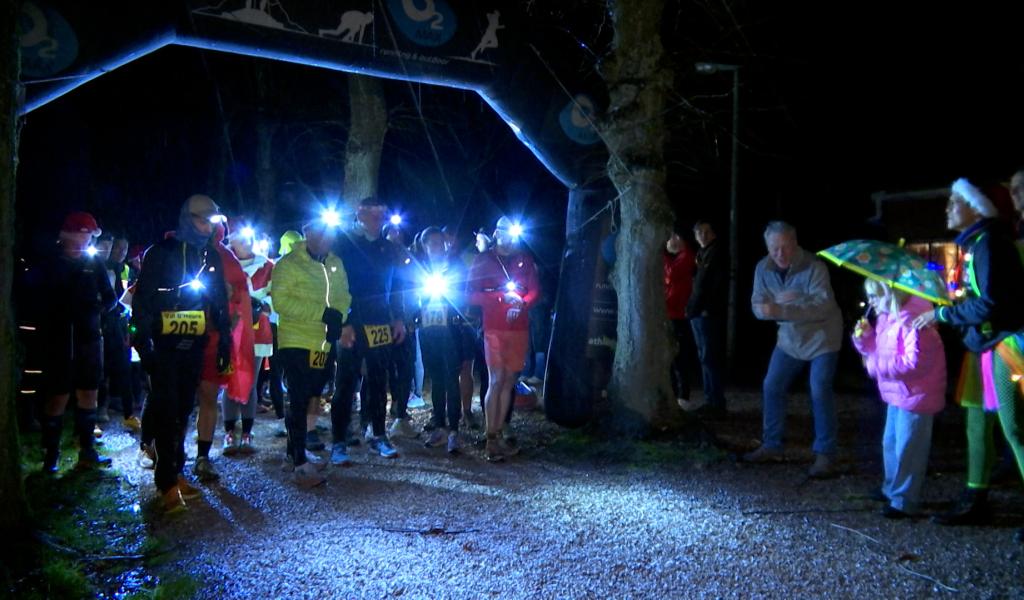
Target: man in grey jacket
{"type": "Point", "coordinates": [791, 287]}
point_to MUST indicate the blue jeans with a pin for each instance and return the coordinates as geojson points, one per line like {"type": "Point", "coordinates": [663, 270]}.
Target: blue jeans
{"type": "Point", "coordinates": [906, 444]}
{"type": "Point", "coordinates": [782, 370]}
{"type": "Point", "coordinates": [707, 335]}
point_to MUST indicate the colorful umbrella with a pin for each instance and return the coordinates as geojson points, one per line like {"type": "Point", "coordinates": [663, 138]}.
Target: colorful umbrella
{"type": "Point", "coordinates": [890, 264]}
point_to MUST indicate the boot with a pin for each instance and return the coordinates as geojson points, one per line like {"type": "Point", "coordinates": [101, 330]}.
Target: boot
{"type": "Point", "coordinates": [972, 508]}
{"type": "Point", "coordinates": [51, 429]}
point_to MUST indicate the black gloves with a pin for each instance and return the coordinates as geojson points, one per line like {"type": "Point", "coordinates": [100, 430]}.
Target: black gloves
{"type": "Point", "coordinates": [334, 320]}
{"type": "Point", "coordinates": [147, 355]}
{"type": "Point", "coordinates": [224, 355]}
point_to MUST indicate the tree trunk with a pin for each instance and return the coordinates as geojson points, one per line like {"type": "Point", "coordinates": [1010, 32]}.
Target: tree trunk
{"type": "Point", "coordinates": [12, 493]}
{"type": "Point", "coordinates": [368, 124]}
{"type": "Point", "coordinates": [266, 173]}
{"type": "Point", "coordinates": [638, 81]}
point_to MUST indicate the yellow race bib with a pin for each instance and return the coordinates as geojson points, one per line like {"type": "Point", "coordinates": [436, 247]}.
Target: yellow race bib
{"type": "Point", "coordinates": [183, 322]}
{"type": "Point", "coordinates": [377, 335]}
{"type": "Point", "coordinates": [434, 315]}
{"type": "Point", "coordinates": [317, 360]}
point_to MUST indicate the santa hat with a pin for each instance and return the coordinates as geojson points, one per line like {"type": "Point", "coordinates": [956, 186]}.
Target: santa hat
{"type": "Point", "coordinates": [80, 222]}
{"type": "Point", "coordinates": [974, 198]}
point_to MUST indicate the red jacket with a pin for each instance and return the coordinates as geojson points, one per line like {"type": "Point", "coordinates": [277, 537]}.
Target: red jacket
{"type": "Point", "coordinates": [243, 356]}
{"type": "Point", "coordinates": [485, 287]}
{"type": "Point", "coordinates": [259, 270]}
{"type": "Point", "coordinates": [679, 271]}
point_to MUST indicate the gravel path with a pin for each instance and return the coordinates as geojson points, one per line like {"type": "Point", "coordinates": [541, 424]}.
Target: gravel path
{"type": "Point", "coordinates": [560, 521]}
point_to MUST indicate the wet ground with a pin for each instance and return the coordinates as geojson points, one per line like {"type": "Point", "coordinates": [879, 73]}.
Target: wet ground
{"type": "Point", "coordinates": [576, 518]}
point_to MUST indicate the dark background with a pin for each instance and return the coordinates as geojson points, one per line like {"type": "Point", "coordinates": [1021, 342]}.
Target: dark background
{"type": "Point", "coordinates": [838, 100]}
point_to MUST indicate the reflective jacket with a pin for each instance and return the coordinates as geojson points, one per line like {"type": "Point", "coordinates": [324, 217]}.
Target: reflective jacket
{"type": "Point", "coordinates": [303, 289]}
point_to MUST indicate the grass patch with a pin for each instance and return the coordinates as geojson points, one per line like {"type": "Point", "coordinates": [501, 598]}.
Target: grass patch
{"type": "Point", "coordinates": [87, 535]}
{"type": "Point", "coordinates": [583, 444]}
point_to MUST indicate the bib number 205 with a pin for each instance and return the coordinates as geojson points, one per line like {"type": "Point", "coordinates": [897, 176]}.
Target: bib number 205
{"type": "Point", "coordinates": [183, 322]}
{"type": "Point", "coordinates": [377, 335]}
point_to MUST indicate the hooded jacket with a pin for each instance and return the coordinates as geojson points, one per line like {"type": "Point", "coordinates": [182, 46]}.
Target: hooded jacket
{"type": "Point", "coordinates": [909, 364]}
{"type": "Point", "coordinates": [810, 325]}
{"type": "Point", "coordinates": [679, 271]}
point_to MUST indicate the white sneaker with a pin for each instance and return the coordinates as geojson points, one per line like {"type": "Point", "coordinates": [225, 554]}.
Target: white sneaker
{"type": "Point", "coordinates": [311, 459]}
{"type": "Point", "coordinates": [691, 405]}
{"type": "Point", "coordinates": [402, 428]}
{"type": "Point", "coordinates": [307, 476]}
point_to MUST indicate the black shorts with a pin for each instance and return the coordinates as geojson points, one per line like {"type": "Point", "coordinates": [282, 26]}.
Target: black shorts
{"type": "Point", "coordinates": [303, 381]}
{"type": "Point", "coordinates": [71, 356]}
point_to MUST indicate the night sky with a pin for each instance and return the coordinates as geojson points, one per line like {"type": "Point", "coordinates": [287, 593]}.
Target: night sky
{"type": "Point", "coordinates": [837, 101]}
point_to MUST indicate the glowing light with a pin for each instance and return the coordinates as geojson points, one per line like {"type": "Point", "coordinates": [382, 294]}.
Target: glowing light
{"type": "Point", "coordinates": [330, 217]}
{"type": "Point", "coordinates": [968, 256]}
{"type": "Point", "coordinates": [1015, 377]}
{"type": "Point", "coordinates": [26, 327]}
{"type": "Point", "coordinates": [516, 231]}
{"type": "Point", "coordinates": [248, 232]}
{"type": "Point", "coordinates": [515, 128]}
{"type": "Point", "coordinates": [216, 219]}
{"type": "Point", "coordinates": [863, 304]}
{"type": "Point", "coordinates": [28, 391]}
{"type": "Point", "coordinates": [435, 285]}
{"type": "Point", "coordinates": [32, 372]}
{"type": "Point", "coordinates": [396, 219]}
{"type": "Point", "coordinates": [196, 285]}
{"type": "Point", "coordinates": [959, 293]}
{"type": "Point", "coordinates": [91, 251]}
{"type": "Point", "coordinates": [511, 286]}
{"type": "Point", "coordinates": [261, 247]}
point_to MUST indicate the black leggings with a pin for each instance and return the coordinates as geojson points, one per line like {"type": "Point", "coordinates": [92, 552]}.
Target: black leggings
{"type": "Point", "coordinates": [374, 399]}
{"type": "Point", "coordinates": [442, 360]}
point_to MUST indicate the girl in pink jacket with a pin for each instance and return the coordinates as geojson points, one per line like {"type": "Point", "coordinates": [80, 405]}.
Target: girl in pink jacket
{"type": "Point", "coordinates": [910, 367]}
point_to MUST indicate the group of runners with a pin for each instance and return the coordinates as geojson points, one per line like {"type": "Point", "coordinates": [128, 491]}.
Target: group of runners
{"type": "Point", "coordinates": [340, 315]}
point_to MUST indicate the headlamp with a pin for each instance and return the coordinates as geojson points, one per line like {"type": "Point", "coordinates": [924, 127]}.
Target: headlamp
{"type": "Point", "coordinates": [215, 219]}
{"type": "Point", "coordinates": [91, 250]}
{"type": "Point", "coordinates": [396, 219]}
{"type": "Point", "coordinates": [196, 285]}
{"type": "Point", "coordinates": [435, 285]}
{"type": "Point", "coordinates": [511, 286]}
{"type": "Point", "coordinates": [248, 232]}
{"type": "Point", "coordinates": [516, 231]}
{"type": "Point", "coordinates": [330, 217]}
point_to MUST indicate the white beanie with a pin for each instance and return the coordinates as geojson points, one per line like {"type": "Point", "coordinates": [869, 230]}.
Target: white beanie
{"type": "Point", "coordinates": [974, 198]}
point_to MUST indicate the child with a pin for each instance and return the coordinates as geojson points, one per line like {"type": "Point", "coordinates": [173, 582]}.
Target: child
{"type": "Point", "coordinates": [910, 367]}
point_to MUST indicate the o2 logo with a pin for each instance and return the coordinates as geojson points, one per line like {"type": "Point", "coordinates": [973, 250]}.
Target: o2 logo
{"type": "Point", "coordinates": [48, 44]}
{"type": "Point", "coordinates": [577, 119]}
{"type": "Point", "coordinates": [425, 22]}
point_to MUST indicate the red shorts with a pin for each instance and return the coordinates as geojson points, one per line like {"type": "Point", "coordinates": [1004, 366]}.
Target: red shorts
{"type": "Point", "coordinates": [506, 349]}
{"type": "Point", "coordinates": [210, 373]}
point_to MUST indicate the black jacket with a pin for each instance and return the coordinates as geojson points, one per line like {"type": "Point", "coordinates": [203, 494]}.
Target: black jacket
{"type": "Point", "coordinates": [167, 269]}
{"type": "Point", "coordinates": [994, 279]}
{"type": "Point", "coordinates": [74, 290]}
{"type": "Point", "coordinates": [711, 283]}
{"type": "Point", "coordinates": [370, 266]}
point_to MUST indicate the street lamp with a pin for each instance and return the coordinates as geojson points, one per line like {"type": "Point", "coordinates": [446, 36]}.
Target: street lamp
{"type": "Point", "coordinates": [710, 69]}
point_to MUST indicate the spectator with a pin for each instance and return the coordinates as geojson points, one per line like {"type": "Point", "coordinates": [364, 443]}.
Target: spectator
{"type": "Point", "coordinates": [680, 267]}
{"type": "Point", "coordinates": [792, 288]}
{"type": "Point", "coordinates": [706, 311]}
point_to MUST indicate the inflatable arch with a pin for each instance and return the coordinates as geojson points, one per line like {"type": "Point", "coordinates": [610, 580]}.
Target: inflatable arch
{"type": "Point", "coordinates": [529, 77]}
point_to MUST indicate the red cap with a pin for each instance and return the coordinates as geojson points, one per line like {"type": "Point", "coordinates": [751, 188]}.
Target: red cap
{"type": "Point", "coordinates": [80, 222]}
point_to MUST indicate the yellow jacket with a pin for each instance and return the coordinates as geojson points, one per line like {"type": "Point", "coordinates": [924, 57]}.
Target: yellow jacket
{"type": "Point", "coordinates": [302, 289]}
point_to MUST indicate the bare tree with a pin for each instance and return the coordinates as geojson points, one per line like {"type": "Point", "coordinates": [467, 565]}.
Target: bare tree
{"type": "Point", "coordinates": [638, 83]}
{"type": "Point", "coordinates": [12, 493]}
{"type": "Point", "coordinates": [368, 125]}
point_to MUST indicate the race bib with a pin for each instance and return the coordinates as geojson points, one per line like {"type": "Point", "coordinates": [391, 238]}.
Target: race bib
{"type": "Point", "coordinates": [183, 322]}
{"type": "Point", "coordinates": [317, 360]}
{"type": "Point", "coordinates": [377, 335]}
{"type": "Point", "coordinates": [435, 315]}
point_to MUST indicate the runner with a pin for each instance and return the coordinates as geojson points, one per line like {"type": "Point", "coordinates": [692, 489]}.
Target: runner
{"type": "Point", "coordinates": [441, 306]}
{"type": "Point", "coordinates": [237, 380]}
{"type": "Point", "coordinates": [76, 292]}
{"type": "Point", "coordinates": [403, 356]}
{"type": "Point", "coordinates": [179, 300]}
{"type": "Point", "coordinates": [377, 321]}
{"type": "Point", "coordinates": [503, 281]}
{"type": "Point", "coordinates": [116, 348]}
{"type": "Point", "coordinates": [311, 298]}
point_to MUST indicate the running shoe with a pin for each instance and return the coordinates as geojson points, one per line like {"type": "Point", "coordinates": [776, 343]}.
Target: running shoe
{"type": "Point", "coordinates": [132, 424]}
{"type": "Point", "coordinates": [89, 459]}
{"type": "Point", "coordinates": [245, 446]}
{"type": "Point", "coordinates": [203, 469]}
{"type": "Point", "coordinates": [383, 447]}
{"type": "Point", "coordinates": [188, 491]}
{"type": "Point", "coordinates": [339, 455]}
{"type": "Point", "coordinates": [454, 444]}
{"type": "Point", "coordinates": [402, 428]}
{"type": "Point", "coordinates": [307, 476]}
{"type": "Point", "coordinates": [437, 438]}
{"type": "Point", "coordinates": [313, 441]}
{"type": "Point", "coordinates": [147, 457]}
